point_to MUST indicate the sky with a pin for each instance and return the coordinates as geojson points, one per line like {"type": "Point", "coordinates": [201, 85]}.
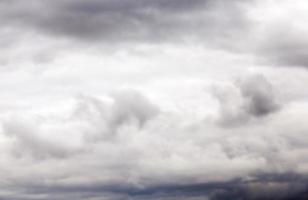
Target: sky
{"type": "Point", "coordinates": [153, 99]}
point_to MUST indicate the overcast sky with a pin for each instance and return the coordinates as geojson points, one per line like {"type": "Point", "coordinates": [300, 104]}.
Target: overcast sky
{"type": "Point", "coordinates": [153, 99]}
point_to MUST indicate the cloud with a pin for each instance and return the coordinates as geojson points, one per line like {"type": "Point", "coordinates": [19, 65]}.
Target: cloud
{"type": "Point", "coordinates": [259, 95]}
{"type": "Point", "coordinates": [246, 27]}
{"type": "Point", "coordinates": [92, 119]}
{"type": "Point", "coordinates": [286, 47]}
{"type": "Point", "coordinates": [123, 146]}
{"type": "Point", "coordinates": [130, 105]}
{"type": "Point", "coordinates": [125, 21]}
{"type": "Point", "coordinates": [249, 97]}
{"type": "Point", "coordinates": [127, 107]}
{"type": "Point", "coordinates": [278, 38]}
{"type": "Point", "coordinates": [275, 187]}
{"type": "Point", "coordinates": [263, 186]}
{"type": "Point", "coordinates": [167, 139]}
{"type": "Point", "coordinates": [30, 138]}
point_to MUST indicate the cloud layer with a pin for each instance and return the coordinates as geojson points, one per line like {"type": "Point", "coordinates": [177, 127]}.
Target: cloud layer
{"type": "Point", "coordinates": [153, 99]}
{"type": "Point", "coordinates": [113, 21]}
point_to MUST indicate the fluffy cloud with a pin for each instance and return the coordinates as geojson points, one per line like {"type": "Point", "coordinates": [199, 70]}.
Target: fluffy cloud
{"type": "Point", "coordinates": [124, 146]}
{"type": "Point", "coordinates": [92, 119]}
{"type": "Point", "coordinates": [252, 97]}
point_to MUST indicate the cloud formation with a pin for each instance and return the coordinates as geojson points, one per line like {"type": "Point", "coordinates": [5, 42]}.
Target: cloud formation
{"type": "Point", "coordinates": [124, 146]}
{"type": "Point", "coordinates": [153, 99]}
{"type": "Point", "coordinates": [239, 26]}
{"type": "Point", "coordinates": [251, 97]}
{"type": "Point", "coordinates": [92, 120]}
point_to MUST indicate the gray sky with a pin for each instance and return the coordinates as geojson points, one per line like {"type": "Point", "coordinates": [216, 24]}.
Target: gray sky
{"type": "Point", "coordinates": [153, 99]}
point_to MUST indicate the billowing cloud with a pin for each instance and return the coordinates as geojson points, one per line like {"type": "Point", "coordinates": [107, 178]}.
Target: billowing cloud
{"type": "Point", "coordinates": [249, 97]}
{"type": "Point", "coordinates": [92, 120]}
{"type": "Point", "coordinates": [125, 146]}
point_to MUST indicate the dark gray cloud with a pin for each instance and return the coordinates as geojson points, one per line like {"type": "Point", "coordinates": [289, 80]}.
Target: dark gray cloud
{"type": "Point", "coordinates": [285, 186]}
{"type": "Point", "coordinates": [126, 21]}
{"type": "Point", "coordinates": [213, 24]}
{"type": "Point", "coordinates": [259, 95]}
{"type": "Point", "coordinates": [43, 30]}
